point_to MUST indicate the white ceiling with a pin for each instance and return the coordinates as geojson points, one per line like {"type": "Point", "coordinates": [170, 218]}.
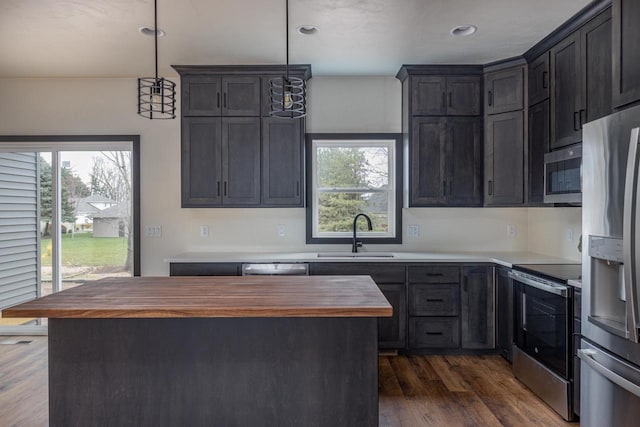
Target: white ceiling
{"type": "Point", "coordinates": [71, 38]}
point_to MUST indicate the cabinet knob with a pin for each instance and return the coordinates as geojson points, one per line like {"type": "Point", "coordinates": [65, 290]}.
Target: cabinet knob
{"type": "Point", "coordinates": [490, 98]}
{"type": "Point", "coordinates": [490, 189]}
{"type": "Point", "coordinates": [576, 121]}
{"type": "Point", "coordinates": [545, 79]}
{"type": "Point", "coordinates": [218, 99]}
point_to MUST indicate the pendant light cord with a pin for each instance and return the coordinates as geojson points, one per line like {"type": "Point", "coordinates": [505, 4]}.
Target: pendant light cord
{"type": "Point", "coordinates": [155, 32]}
{"type": "Point", "coordinates": [287, 36]}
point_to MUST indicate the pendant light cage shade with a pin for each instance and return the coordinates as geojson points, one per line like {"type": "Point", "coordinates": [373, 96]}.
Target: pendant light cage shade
{"type": "Point", "coordinates": [287, 97]}
{"type": "Point", "coordinates": [156, 98]}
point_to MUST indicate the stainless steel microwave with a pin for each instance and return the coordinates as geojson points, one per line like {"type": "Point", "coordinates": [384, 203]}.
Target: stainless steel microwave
{"type": "Point", "coordinates": [563, 175]}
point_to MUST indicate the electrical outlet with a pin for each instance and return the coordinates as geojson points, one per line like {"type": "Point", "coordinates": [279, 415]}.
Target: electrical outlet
{"type": "Point", "coordinates": [413, 230]}
{"type": "Point", "coordinates": [153, 231]}
{"type": "Point", "coordinates": [282, 230]}
{"type": "Point", "coordinates": [204, 231]}
{"type": "Point", "coordinates": [569, 235]}
{"type": "Point", "coordinates": [511, 230]}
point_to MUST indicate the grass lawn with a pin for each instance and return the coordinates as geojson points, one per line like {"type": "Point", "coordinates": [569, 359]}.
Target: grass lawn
{"type": "Point", "coordinates": [85, 250]}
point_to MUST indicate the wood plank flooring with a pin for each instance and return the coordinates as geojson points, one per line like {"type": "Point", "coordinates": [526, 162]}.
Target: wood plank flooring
{"type": "Point", "coordinates": [415, 391]}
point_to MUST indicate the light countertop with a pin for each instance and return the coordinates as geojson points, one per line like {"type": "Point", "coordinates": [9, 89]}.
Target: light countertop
{"type": "Point", "coordinates": [507, 259]}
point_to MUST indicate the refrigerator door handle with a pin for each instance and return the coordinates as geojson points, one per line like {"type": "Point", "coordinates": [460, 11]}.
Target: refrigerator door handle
{"type": "Point", "coordinates": [587, 357]}
{"type": "Point", "coordinates": [629, 233]}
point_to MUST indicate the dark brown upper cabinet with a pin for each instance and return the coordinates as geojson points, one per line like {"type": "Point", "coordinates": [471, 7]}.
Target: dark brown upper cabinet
{"type": "Point", "coordinates": [231, 156]}
{"type": "Point", "coordinates": [221, 96]}
{"type": "Point", "coordinates": [539, 79]}
{"type": "Point", "coordinates": [201, 96]}
{"type": "Point", "coordinates": [201, 161]}
{"type": "Point", "coordinates": [504, 159]}
{"type": "Point", "coordinates": [427, 169]}
{"type": "Point", "coordinates": [241, 96]}
{"type": "Point", "coordinates": [539, 134]}
{"type": "Point", "coordinates": [580, 72]}
{"type": "Point", "coordinates": [220, 161]}
{"type": "Point", "coordinates": [446, 161]}
{"type": "Point", "coordinates": [464, 161]}
{"type": "Point", "coordinates": [282, 162]}
{"type": "Point", "coordinates": [504, 91]}
{"type": "Point", "coordinates": [566, 92]}
{"type": "Point", "coordinates": [626, 52]}
{"type": "Point", "coordinates": [445, 96]}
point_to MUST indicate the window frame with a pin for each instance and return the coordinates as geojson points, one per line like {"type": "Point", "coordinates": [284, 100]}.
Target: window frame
{"type": "Point", "coordinates": [397, 169]}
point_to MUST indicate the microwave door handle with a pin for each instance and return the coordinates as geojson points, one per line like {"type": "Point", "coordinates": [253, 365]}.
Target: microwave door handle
{"type": "Point", "coordinates": [629, 234]}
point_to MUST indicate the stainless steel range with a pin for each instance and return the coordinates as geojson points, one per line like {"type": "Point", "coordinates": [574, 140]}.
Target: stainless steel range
{"type": "Point", "coordinates": [543, 329]}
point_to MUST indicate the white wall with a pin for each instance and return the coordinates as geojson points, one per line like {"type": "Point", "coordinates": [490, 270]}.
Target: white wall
{"type": "Point", "coordinates": [549, 232]}
{"type": "Point", "coordinates": [337, 104]}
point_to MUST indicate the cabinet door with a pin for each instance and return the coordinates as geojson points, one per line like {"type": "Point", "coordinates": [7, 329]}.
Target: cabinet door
{"type": "Point", "coordinates": [504, 313]}
{"type": "Point", "coordinates": [201, 96]}
{"type": "Point", "coordinates": [201, 161]}
{"type": "Point", "coordinates": [504, 159]}
{"type": "Point", "coordinates": [241, 161]}
{"type": "Point", "coordinates": [626, 54]}
{"type": "Point", "coordinates": [504, 91]}
{"type": "Point", "coordinates": [464, 161]}
{"type": "Point", "coordinates": [477, 312]}
{"type": "Point", "coordinates": [428, 174]}
{"type": "Point", "coordinates": [392, 330]}
{"type": "Point", "coordinates": [566, 85]}
{"type": "Point", "coordinates": [241, 96]}
{"type": "Point", "coordinates": [463, 96]}
{"type": "Point", "coordinates": [282, 162]}
{"type": "Point", "coordinates": [596, 66]}
{"type": "Point", "coordinates": [539, 79]}
{"type": "Point", "coordinates": [428, 95]}
{"type": "Point", "coordinates": [538, 146]}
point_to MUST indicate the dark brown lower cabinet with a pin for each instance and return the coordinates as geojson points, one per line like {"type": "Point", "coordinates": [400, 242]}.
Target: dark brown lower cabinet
{"type": "Point", "coordinates": [477, 308]}
{"type": "Point", "coordinates": [392, 330]}
{"type": "Point", "coordinates": [434, 332]}
{"type": "Point", "coordinates": [504, 313]}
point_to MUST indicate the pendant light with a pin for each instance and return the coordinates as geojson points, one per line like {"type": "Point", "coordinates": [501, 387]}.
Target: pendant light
{"type": "Point", "coordinates": [156, 95]}
{"type": "Point", "coordinates": [287, 94]}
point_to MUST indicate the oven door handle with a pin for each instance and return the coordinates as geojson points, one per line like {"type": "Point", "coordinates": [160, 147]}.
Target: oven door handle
{"type": "Point", "coordinates": [587, 357]}
{"type": "Point", "coordinates": [557, 289]}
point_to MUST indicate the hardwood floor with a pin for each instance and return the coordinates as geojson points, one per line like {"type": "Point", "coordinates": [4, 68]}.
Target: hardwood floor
{"type": "Point", "coordinates": [414, 391]}
{"type": "Point", "coordinates": [457, 391]}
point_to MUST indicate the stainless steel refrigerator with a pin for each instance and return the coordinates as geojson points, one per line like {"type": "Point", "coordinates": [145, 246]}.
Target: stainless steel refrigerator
{"type": "Point", "coordinates": [610, 352]}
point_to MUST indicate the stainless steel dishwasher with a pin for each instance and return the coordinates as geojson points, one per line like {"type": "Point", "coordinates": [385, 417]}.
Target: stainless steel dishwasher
{"type": "Point", "coordinates": [275, 269]}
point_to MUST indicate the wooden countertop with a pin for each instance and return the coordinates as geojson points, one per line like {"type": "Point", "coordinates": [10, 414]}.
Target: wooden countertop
{"type": "Point", "coordinates": [249, 296]}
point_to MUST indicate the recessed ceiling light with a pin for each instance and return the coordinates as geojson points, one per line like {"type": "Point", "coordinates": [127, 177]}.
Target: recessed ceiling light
{"type": "Point", "coordinates": [146, 31]}
{"type": "Point", "coordinates": [464, 30]}
{"type": "Point", "coordinates": [307, 30]}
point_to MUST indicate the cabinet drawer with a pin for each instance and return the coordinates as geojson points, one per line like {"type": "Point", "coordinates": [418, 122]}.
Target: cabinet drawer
{"type": "Point", "coordinates": [434, 274]}
{"type": "Point", "coordinates": [380, 273]}
{"type": "Point", "coordinates": [434, 332]}
{"type": "Point", "coordinates": [434, 300]}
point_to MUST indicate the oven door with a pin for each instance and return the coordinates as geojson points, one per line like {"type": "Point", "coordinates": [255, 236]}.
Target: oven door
{"type": "Point", "coordinates": [563, 176]}
{"type": "Point", "coordinates": [542, 326]}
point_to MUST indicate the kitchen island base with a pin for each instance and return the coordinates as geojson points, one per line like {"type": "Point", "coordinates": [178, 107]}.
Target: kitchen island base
{"type": "Point", "coordinates": [213, 371]}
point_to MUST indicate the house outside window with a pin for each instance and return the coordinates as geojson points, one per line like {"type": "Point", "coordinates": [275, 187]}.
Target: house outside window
{"type": "Point", "coordinates": [350, 174]}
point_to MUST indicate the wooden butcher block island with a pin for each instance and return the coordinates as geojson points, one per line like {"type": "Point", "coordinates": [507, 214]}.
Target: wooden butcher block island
{"type": "Point", "coordinates": [205, 351]}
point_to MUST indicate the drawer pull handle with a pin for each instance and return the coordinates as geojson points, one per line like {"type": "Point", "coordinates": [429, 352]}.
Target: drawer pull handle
{"type": "Point", "coordinates": [435, 300]}
{"type": "Point", "coordinates": [435, 274]}
{"type": "Point", "coordinates": [434, 333]}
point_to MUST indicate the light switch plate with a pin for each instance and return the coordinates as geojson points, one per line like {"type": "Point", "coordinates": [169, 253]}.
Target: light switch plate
{"type": "Point", "coordinates": [511, 230]}
{"type": "Point", "coordinates": [282, 230]}
{"type": "Point", "coordinates": [413, 230]}
{"type": "Point", "coordinates": [569, 235]}
{"type": "Point", "coordinates": [204, 231]}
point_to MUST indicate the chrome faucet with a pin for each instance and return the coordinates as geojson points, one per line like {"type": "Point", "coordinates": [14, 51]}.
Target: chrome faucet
{"type": "Point", "coordinates": [356, 243]}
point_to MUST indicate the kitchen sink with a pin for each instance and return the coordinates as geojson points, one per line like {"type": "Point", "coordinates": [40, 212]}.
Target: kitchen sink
{"type": "Point", "coordinates": [356, 255]}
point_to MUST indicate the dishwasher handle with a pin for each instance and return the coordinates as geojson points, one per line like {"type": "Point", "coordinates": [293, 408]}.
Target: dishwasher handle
{"type": "Point", "coordinates": [275, 269]}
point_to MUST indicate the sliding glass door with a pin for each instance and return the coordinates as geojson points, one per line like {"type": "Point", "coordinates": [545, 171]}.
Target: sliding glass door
{"type": "Point", "coordinates": [67, 215]}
